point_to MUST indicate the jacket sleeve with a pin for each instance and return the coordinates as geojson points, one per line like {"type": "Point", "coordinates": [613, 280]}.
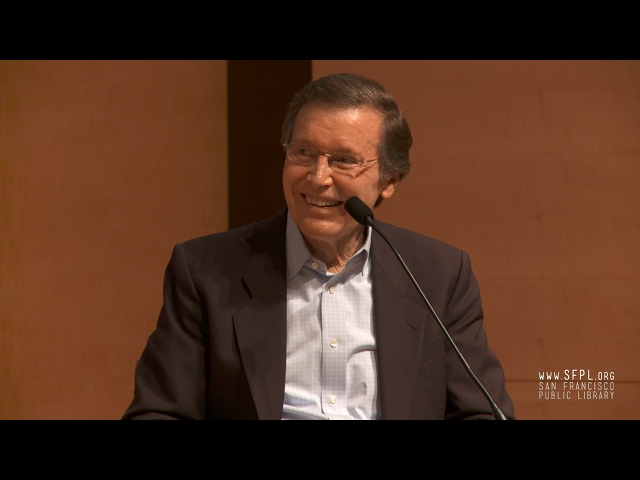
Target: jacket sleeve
{"type": "Point", "coordinates": [170, 379]}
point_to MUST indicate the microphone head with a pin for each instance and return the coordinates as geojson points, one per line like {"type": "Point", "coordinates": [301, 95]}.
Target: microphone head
{"type": "Point", "coordinates": [358, 210]}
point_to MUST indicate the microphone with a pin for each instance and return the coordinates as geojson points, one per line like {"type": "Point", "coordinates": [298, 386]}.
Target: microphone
{"type": "Point", "coordinates": [362, 214]}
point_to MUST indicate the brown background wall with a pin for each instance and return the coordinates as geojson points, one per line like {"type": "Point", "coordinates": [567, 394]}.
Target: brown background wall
{"type": "Point", "coordinates": [530, 166]}
{"type": "Point", "coordinates": [103, 167]}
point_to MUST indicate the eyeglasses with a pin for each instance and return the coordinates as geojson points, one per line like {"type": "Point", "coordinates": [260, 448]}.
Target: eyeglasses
{"type": "Point", "coordinates": [307, 155]}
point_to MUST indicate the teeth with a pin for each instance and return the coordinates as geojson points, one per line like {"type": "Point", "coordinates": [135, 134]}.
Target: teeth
{"type": "Point", "coordinates": [320, 202]}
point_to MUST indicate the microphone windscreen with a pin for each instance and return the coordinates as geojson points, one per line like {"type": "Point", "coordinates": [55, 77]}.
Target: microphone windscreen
{"type": "Point", "coordinates": [358, 210]}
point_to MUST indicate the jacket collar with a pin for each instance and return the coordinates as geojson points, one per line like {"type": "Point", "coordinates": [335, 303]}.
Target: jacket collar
{"type": "Point", "coordinates": [261, 323]}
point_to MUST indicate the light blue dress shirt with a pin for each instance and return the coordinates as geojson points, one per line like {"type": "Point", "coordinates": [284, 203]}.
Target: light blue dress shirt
{"type": "Point", "coordinates": [331, 368]}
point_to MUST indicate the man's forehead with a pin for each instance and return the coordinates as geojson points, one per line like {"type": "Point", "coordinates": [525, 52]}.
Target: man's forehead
{"type": "Point", "coordinates": [348, 131]}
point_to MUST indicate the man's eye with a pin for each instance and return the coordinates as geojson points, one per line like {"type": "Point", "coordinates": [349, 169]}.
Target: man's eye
{"type": "Point", "coordinates": [346, 160]}
{"type": "Point", "coordinates": [305, 151]}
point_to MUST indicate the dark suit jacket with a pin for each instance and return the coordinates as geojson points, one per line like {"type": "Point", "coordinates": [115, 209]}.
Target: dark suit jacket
{"type": "Point", "coordinates": [219, 349]}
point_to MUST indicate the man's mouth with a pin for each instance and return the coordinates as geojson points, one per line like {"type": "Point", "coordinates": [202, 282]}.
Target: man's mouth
{"type": "Point", "coordinates": [321, 202]}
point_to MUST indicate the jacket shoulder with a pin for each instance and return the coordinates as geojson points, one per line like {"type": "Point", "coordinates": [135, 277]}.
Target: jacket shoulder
{"type": "Point", "coordinates": [237, 242]}
{"type": "Point", "coordinates": [417, 243]}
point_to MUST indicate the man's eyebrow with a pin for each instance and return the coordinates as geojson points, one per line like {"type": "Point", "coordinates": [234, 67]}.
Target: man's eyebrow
{"type": "Point", "coordinates": [342, 149]}
{"type": "Point", "coordinates": [346, 149]}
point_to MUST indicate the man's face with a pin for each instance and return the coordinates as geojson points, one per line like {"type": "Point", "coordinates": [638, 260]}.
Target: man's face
{"type": "Point", "coordinates": [315, 194]}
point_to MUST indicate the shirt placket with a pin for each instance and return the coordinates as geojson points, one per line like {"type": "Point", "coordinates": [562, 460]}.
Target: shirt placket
{"type": "Point", "coordinates": [334, 354]}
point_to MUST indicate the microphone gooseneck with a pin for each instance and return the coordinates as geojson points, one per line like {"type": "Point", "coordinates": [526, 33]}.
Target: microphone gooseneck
{"type": "Point", "coordinates": [363, 215]}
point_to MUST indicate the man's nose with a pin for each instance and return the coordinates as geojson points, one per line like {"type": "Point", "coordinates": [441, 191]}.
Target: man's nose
{"type": "Point", "coordinates": [321, 173]}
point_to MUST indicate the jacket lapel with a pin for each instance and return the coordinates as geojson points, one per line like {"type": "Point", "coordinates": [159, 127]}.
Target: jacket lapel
{"type": "Point", "coordinates": [261, 324]}
{"type": "Point", "coordinates": [399, 324]}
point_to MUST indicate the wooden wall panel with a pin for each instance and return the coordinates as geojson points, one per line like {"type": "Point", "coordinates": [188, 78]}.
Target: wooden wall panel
{"type": "Point", "coordinates": [532, 167]}
{"type": "Point", "coordinates": [104, 166]}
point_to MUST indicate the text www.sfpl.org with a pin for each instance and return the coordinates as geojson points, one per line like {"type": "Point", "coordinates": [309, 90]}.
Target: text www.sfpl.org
{"type": "Point", "coordinates": [576, 374]}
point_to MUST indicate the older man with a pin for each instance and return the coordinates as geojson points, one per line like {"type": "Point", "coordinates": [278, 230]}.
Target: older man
{"type": "Point", "coordinates": [309, 314]}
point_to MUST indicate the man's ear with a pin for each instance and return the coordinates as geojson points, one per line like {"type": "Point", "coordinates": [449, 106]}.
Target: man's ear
{"type": "Point", "coordinates": [388, 189]}
{"type": "Point", "coordinates": [390, 186]}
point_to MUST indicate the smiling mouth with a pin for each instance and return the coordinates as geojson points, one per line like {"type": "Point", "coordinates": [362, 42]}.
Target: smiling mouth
{"type": "Point", "coordinates": [319, 202]}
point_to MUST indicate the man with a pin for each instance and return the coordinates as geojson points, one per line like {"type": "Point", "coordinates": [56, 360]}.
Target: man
{"type": "Point", "coordinates": [309, 314]}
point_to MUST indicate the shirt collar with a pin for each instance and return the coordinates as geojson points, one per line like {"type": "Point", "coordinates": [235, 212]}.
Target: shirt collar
{"type": "Point", "coordinates": [298, 253]}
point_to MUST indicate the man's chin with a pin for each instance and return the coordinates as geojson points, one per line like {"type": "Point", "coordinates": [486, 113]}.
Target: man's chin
{"type": "Point", "coordinates": [320, 229]}
{"type": "Point", "coordinates": [327, 231]}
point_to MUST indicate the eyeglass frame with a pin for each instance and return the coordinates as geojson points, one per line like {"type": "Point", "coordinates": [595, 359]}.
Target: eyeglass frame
{"type": "Point", "coordinates": [358, 168]}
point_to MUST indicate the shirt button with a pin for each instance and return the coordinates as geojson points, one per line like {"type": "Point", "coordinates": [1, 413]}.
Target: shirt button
{"type": "Point", "coordinates": [314, 265]}
{"type": "Point", "coordinates": [332, 289]}
{"type": "Point", "coordinates": [333, 399]}
{"type": "Point", "coordinates": [334, 343]}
